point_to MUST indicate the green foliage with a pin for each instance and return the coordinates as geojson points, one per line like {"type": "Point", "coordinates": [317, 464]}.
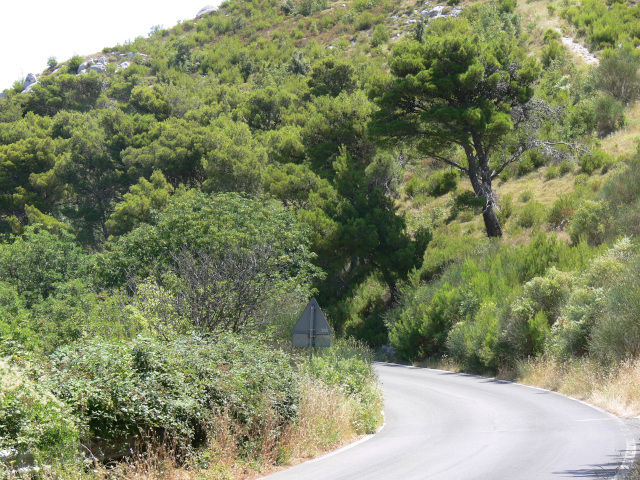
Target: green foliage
{"type": "Point", "coordinates": [33, 421]}
{"type": "Point", "coordinates": [604, 27]}
{"type": "Point", "coordinates": [309, 7]}
{"type": "Point", "coordinates": [347, 365]}
{"type": "Point", "coordinates": [437, 183]}
{"type": "Point", "coordinates": [379, 36]}
{"type": "Point", "coordinates": [459, 105]}
{"type": "Point", "coordinates": [37, 262]}
{"type": "Point", "coordinates": [561, 212]}
{"type": "Point", "coordinates": [617, 74]}
{"type": "Point", "coordinates": [52, 62]}
{"type": "Point", "coordinates": [364, 313]}
{"type": "Point", "coordinates": [331, 77]}
{"type": "Point", "coordinates": [199, 222]}
{"type": "Point", "coordinates": [139, 204]}
{"type": "Point", "coordinates": [174, 389]}
{"type": "Point", "coordinates": [530, 215]}
{"type": "Point", "coordinates": [594, 160]}
{"type": "Point", "coordinates": [476, 344]}
{"type": "Point", "coordinates": [589, 223]}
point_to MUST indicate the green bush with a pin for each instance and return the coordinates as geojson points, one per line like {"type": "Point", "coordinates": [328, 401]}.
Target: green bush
{"type": "Point", "coordinates": [597, 159]}
{"type": "Point", "coordinates": [561, 212]}
{"type": "Point", "coordinates": [565, 166]}
{"type": "Point", "coordinates": [379, 36]}
{"type": "Point", "coordinates": [442, 182]}
{"type": "Point", "coordinates": [364, 313]}
{"type": "Point", "coordinates": [347, 365]}
{"type": "Point", "coordinates": [530, 215]}
{"type": "Point", "coordinates": [526, 195]}
{"type": "Point", "coordinates": [590, 223]}
{"type": "Point", "coordinates": [32, 420]}
{"type": "Point", "coordinates": [617, 74]}
{"type": "Point", "coordinates": [174, 389]}
{"type": "Point", "coordinates": [551, 173]}
{"type": "Point", "coordinates": [476, 343]}
{"type": "Point", "coordinates": [74, 63]}
{"type": "Point", "coordinates": [616, 334]}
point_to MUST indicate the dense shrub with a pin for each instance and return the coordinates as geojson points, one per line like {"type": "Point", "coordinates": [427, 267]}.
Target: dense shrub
{"type": "Point", "coordinates": [591, 162]}
{"type": "Point", "coordinates": [616, 333]}
{"type": "Point", "coordinates": [32, 420]}
{"type": "Point", "coordinates": [590, 223]}
{"type": "Point", "coordinates": [347, 365]}
{"type": "Point", "coordinates": [530, 215]}
{"type": "Point", "coordinates": [561, 212]}
{"type": "Point", "coordinates": [173, 390]}
{"type": "Point", "coordinates": [617, 74]}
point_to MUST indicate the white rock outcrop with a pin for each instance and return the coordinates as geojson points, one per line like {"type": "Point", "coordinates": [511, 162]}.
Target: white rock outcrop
{"type": "Point", "coordinates": [98, 67]}
{"type": "Point", "coordinates": [205, 10]}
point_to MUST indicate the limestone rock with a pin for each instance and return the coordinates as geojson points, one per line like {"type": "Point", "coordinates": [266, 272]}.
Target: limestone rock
{"type": "Point", "coordinates": [205, 10]}
{"type": "Point", "coordinates": [98, 67]}
{"type": "Point", "coordinates": [123, 66]}
{"type": "Point", "coordinates": [30, 80]}
{"type": "Point", "coordinates": [102, 61]}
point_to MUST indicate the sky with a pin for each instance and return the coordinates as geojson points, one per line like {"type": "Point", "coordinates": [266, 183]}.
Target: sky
{"type": "Point", "coordinates": [33, 31]}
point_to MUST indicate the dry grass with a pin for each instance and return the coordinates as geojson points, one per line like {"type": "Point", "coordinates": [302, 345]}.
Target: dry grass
{"type": "Point", "coordinates": [325, 424]}
{"type": "Point", "coordinates": [625, 140]}
{"type": "Point", "coordinates": [616, 389]}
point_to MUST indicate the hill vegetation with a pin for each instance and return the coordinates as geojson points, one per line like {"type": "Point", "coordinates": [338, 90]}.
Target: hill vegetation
{"type": "Point", "coordinates": [450, 181]}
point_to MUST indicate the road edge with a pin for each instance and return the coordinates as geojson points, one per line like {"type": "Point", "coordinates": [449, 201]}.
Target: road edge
{"type": "Point", "coordinates": [631, 452]}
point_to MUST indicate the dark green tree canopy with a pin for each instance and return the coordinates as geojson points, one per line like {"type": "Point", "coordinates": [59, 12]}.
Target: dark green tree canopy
{"type": "Point", "coordinates": [458, 92]}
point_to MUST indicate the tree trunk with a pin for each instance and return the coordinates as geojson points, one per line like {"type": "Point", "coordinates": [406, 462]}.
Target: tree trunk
{"type": "Point", "coordinates": [491, 222]}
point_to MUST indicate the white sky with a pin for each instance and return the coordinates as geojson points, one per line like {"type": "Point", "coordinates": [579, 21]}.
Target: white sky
{"type": "Point", "coordinates": [34, 30]}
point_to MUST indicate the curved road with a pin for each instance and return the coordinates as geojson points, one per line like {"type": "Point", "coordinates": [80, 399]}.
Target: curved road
{"type": "Point", "coordinates": [443, 425]}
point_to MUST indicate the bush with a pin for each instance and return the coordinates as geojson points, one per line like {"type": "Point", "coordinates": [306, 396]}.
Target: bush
{"type": "Point", "coordinates": [561, 212]}
{"type": "Point", "coordinates": [32, 420]}
{"type": "Point", "coordinates": [565, 166]}
{"type": "Point", "coordinates": [589, 223]}
{"type": "Point", "coordinates": [526, 195]}
{"type": "Point", "coordinates": [174, 390]}
{"type": "Point", "coordinates": [609, 115]}
{"type": "Point", "coordinates": [347, 365]}
{"type": "Point", "coordinates": [597, 159]}
{"type": "Point", "coordinates": [476, 344]}
{"type": "Point", "coordinates": [442, 182]}
{"type": "Point", "coordinates": [617, 74]}
{"type": "Point", "coordinates": [616, 334]}
{"type": "Point", "coordinates": [551, 173]}
{"type": "Point", "coordinates": [530, 215]}
{"type": "Point", "coordinates": [74, 63]}
{"type": "Point", "coordinates": [380, 36]}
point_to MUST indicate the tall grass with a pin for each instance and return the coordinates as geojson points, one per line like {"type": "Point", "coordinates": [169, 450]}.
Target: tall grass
{"type": "Point", "coordinates": [615, 388]}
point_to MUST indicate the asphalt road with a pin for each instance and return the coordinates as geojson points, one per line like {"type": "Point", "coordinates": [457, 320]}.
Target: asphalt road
{"type": "Point", "coordinates": [442, 425]}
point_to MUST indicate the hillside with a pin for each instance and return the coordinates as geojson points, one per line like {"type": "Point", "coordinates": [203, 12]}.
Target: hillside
{"type": "Point", "coordinates": [454, 183]}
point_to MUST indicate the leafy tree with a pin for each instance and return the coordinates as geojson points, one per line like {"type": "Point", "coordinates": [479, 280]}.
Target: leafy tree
{"type": "Point", "coordinates": [371, 235]}
{"type": "Point", "coordinates": [176, 147]}
{"type": "Point", "coordinates": [93, 178]}
{"type": "Point", "coordinates": [138, 205]}
{"type": "Point", "coordinates": [332, 76]}
{"type": "Point", "coordinates": [37, 261]}
{"type": "Point", "coordinates": [457, 91]}
{"type": "Point", "coordinates": [234, 159]}
{"type": "Point", "coordinates": [197, 222]}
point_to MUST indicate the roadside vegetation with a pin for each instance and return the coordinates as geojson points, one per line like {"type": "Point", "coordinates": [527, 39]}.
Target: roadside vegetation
{"type": "Point", "coordinates": [452, 183]}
